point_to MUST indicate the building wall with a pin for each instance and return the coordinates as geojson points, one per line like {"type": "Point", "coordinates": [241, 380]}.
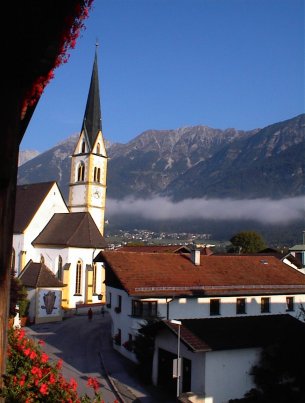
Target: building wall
{"type": "Point", "coordinates": [168, 341]}
{"type": "Point", "coordinates": [193, 308]}
{"type": "Point", "coordinates": [227, 373]}
{"type": "Point", "coordinates": [53, 203]}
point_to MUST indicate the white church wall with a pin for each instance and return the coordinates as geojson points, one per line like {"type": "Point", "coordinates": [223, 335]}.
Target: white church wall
{"type": "Point", "coordinates": [86, 257]}
{"type": "Point", "coordinates": [53, 203]}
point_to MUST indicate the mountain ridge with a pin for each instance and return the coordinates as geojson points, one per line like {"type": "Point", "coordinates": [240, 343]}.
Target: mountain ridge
{"type": "Point", "coordinates": [192, 162]}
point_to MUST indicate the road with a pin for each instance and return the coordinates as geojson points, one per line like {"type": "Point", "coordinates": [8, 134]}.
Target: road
{"type": "Point", "coordinates": [78, 342]}
{"type": "Point", "coordinates": [85, 346]}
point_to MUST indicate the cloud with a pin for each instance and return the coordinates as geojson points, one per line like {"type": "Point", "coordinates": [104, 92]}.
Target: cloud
{"type": "Point", "coordinates": [262, 210]}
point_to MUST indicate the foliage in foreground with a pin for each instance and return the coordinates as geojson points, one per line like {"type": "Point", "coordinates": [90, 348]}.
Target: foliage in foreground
{"type": "Point", "coordinates": [30, 376]}
{"type": "Point", "coordinates": [144, 345]}
{"type": "Point", "coordinates": [279, 375]}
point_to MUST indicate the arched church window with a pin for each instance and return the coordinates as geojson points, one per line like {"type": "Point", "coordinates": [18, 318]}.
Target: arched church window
{"type": "Point", "coordinates": [59, 268]}
{"type": "Point", "coordinates": [83, 147]}
{"type": "Point", "coordinates": [41, 259]}
{"type": "Point", "coordinates": [98, 148]}
{"type": "Point", "coordinates": [78, 279]}
{"type": "Point", "coordinates": [95, 174]}
{"type": "Point", "coordinates": [94, 278]}
{"type": "Point", "coordinates": [81, 172]}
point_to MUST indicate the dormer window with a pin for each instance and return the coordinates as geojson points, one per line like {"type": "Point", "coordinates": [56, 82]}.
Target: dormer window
{"type": "Point", "coordinates": [81, 172]}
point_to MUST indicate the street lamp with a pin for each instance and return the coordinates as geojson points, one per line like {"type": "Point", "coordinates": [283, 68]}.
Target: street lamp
{"type": "Point", "coordinates": [179, 323]}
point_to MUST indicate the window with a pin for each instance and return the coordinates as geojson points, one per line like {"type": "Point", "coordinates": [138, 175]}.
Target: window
{"type": "Point", "coordinates": [59, 268]}
{"type": "Point", "coordinates": [118, 308]}
{"type": "Point", "coordinates": [265, 305]}
{"type": "Point", "coordinates": [97, 174]}
{"type": "Point", "coordinates": [41, 259]}
{"type": "Point", "coordinates": [289, 304]}
{"type": "Point", "coordinates": [240, 306]}
{"type": "Point", "coordinates": [78, 278]}
{"type": "Point", "coordinates": [214, 307]}
{"type": "Point", "coordinates": [94, 278]}
{"type": "Point", "coordinates": [144, 309]}
{"type": "Point", "coordinates": [83, 147]}
{"type": "Point", "coordinates": [81, 172]}
{"type": "Point", "coordinates": [98, 148]}
{"type": "Point", "coordinates": [109, 300]}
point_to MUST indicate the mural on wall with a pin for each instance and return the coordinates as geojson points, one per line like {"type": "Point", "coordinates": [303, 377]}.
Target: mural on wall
{"type": "Point", "coordinates": [49, 303]}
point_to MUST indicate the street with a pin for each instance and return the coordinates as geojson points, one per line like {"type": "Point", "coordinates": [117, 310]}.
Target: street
{"type": "Point", "coordinates": [85, 346]}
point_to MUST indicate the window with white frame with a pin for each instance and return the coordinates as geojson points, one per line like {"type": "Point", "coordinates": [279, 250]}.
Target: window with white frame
{"type": "Point", "coordinates": [265, 305]}
{"type": "Point", "coordinates": [214, 307]}
{"type": "Point", "coordinates": [144, 309]}
{"type": "Point", "coordinates": [289, 304]}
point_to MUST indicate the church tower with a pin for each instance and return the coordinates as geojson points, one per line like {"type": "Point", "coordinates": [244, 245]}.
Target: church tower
{"type": "Point", "coordinates": [87, 190]}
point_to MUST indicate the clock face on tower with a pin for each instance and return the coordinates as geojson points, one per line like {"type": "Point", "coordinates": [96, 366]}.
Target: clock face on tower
{"type": "Point", "coordinates": [97, 194]}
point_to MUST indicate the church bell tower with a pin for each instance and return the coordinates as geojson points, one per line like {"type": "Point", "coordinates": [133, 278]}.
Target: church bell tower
{"type": "Point", "coordinates": [87, 189]}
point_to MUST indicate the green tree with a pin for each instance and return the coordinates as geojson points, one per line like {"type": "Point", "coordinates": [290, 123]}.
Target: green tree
{"type": "Point", "coordinates": [144, 345]}
{"type": "Point", "coordinates": [248, 242]}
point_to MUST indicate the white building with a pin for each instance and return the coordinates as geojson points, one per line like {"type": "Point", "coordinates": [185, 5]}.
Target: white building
{"type": "Point", "coordinates": [66, 239]}
{"type": "Point", "coordinates": [188, 286]}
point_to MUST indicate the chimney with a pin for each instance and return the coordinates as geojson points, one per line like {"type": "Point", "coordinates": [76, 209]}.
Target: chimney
{"type": "Point", "coordinates": [195, 255]}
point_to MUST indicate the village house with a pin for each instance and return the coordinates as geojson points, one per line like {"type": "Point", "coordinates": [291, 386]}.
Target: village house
{"type": "Point", "coordinates": [199, 290]}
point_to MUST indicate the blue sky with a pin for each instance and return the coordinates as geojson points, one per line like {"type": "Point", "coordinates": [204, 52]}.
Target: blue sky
{"type": "Point", "coordinates": [165, 64]}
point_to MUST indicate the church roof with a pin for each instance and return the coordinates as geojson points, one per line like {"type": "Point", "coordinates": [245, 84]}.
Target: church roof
{"type": "Point", "coordinates": [71, 230]}
{"type": "Point", "coordinates": [38, 275]}
{"type": "Point", "coordinates": [92, 122]}
{"type": "Point", "coordinates": [28, 200]}
{"type": "Point", "coordinates": [236, 332]}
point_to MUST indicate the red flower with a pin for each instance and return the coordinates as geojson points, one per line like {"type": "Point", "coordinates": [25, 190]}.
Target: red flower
{"type": "Point", "coordinates": [52, 378]}
{"type": "Point", "coordinates": [59, 364]}
{"type": "Point", "coordinates": [36, 371]}
{"type": "Point", "coordinates": [41, 342]}
{"type": "Point", "coordinates": [44, 357]}
{"type": "Point", "coordinates": [43, 389]}
{"type": "Point", "coordinates": [92, 382]}
{"type": "Point", "coordinates": [73, 384]}
{"type": "Point", "coordinates": [22, 380]}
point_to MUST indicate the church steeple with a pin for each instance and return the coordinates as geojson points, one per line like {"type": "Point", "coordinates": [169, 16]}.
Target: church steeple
{"type": "Point", "coordinates": [89, 160]}
{"type": "Point", "coordinates": [92, 122]}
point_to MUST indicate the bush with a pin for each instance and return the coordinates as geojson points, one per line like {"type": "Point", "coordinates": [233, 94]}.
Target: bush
{"type": "Point", "coordinates": [30, 377]}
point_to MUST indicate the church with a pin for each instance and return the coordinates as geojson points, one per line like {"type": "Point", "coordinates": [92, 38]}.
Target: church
{"type": "Point", "coordinates": [54, 244]}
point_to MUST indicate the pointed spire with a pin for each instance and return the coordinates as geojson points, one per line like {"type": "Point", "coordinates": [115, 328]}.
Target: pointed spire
{"type": "Point", "coordinates": [92, 123]}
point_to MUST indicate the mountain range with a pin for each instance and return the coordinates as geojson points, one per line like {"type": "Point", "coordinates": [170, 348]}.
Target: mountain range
{"type": "Point", "coordinates": [192, 162]}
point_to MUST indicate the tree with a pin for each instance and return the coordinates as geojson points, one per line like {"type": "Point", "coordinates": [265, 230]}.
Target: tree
{"type": "Point", "coordinates": [248, 242]}
{"type": "Point", "coordinates": [144, 345]}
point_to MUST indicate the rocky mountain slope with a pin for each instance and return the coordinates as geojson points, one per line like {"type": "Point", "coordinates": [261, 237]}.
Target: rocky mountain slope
{"type": "Point", "coordinates": [193, 162]}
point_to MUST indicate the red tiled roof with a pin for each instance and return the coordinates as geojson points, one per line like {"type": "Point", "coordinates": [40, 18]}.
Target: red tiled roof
{"type": "Point", "coordinates": [236, 332]}
{"type": "Point", "coordinates": [28, 200]}
{"type": "Point", "coordinates": [161, 274]}
{"type": "Point", "coordinates": [39, 275]}
{"type": "Point", "coordinates": [71, 230]}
